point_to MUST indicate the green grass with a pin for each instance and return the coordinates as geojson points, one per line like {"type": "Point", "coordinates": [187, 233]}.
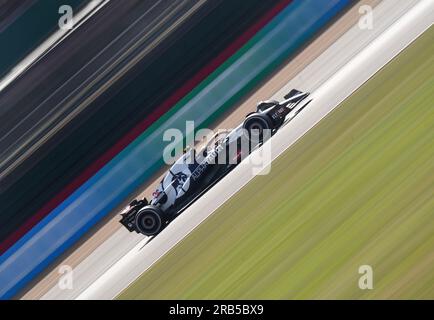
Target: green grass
{"type": "Point", "coordinates": [356, 190]}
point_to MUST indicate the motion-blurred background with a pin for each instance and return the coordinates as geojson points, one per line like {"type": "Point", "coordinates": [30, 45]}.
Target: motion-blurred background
{"type": "Point", "coordinates": [82, 112]}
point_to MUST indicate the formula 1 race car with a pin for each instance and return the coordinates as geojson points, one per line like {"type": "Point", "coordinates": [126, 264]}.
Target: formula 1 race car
{"type": "Point", "coordinates": [196, 171]}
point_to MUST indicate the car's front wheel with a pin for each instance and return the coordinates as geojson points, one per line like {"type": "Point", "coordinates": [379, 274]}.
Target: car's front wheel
{"type": "Point", "coordinates": [149, 220]}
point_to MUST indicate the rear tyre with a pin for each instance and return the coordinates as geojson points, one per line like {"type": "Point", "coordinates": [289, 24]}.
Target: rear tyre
{"type": "Point", "coordinates": [255, 126]}
{"type": "Point", "coordinates": [149, 220]}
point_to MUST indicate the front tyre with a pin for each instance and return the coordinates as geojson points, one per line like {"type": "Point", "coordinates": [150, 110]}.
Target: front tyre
{"type": "Point", "coordinates": [149, 220]}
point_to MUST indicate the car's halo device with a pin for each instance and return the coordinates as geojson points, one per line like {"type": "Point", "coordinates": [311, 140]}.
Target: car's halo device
{"type": "Point", "coordinates": [196, 172]}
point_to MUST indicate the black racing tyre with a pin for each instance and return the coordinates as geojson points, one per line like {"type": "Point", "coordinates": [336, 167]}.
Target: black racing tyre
{"type": "Point", "coordinates": [149, 220]}
{"type": "Point", "coordinates": [255, 124]}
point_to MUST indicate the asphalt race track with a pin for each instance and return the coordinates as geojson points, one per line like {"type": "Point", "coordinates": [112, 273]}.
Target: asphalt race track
{"type": "Point", "coordinates": [103, 269]}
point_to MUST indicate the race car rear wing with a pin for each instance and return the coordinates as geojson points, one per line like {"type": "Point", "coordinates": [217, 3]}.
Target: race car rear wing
{"type": "Point", "coordinates": [293, 98]}
{"type": "Point", "coordinates": [279, 112]}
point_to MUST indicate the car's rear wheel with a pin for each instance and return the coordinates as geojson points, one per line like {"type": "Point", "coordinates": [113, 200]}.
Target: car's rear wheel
{"type": "Point", "coordinates": [149, 220]}
{"type": "Point", "coordinates": [255, 126]}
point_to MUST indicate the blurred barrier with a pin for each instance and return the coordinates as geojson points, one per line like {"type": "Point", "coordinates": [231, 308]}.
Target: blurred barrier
{"type": "Point", "coordinates": [35, 22]}
{"type": "Point", "coordinates": [106, 190]}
